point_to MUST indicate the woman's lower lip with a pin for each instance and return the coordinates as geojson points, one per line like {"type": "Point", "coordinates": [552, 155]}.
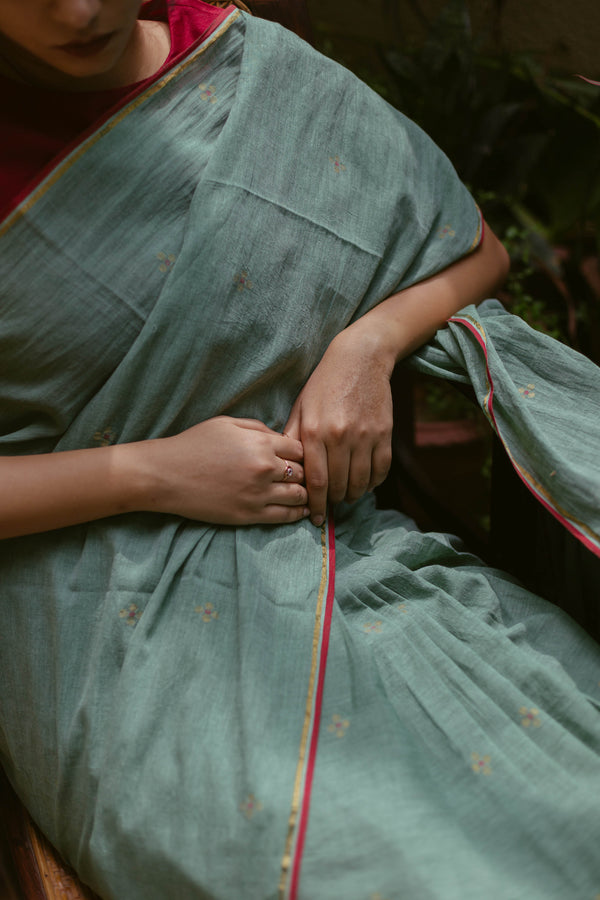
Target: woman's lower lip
{"type": "Point", "coordinates": [90, 48]}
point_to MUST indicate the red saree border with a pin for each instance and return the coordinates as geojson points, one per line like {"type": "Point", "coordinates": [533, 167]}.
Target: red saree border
{"type": "Point", "coordinates": [573, 525]}
{"type": "Point", "coordinates": [54, 171]}
{"type": "Point", "coordinates": [292, 858]}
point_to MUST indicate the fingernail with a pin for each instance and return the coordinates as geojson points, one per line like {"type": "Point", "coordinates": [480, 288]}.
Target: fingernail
{"type": "Point", "coordinates": [306, 511]}
{"type": "Point", "coordinates": [318, 520]}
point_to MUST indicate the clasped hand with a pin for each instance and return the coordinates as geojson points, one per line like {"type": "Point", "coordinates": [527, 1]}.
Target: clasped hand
{"type": "Point", "coordinates": [336, 446]}
{"type": "Point", "coordinates": [343, 418]}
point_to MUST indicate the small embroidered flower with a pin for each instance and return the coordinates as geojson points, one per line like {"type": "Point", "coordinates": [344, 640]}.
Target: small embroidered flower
{"type": "Point", "coordinates": [207, 92]}
{"type": "Point", "coordinates": [105, 437]}
{"type": "Point", "coordinates": [530, 717]}
{"type": "Point", "coordinates": [401, 607]}
{"type": "Point", "coordinates": [166, 262]}
{"type": "Point", "coordinates": [528, 391]}
{"type": "Point", "coordinates": [481, 764]}
{"type": "Point", "coordinates": [131, 615]}
{"type": "Point", "coordinates": [250, 806]}
{"type": "Point", "coordinates": [338, 726]}
{"type": "Point", "coordinates": [208, 612]}
{"type": "Point", "coordinates": [338, 165]}
{"type": "Point", "coordinates": [242, 281]}
{"type": "Point", "coordinates": [375, 627]}
{"type": "Point", "coordinates": [447, 231]}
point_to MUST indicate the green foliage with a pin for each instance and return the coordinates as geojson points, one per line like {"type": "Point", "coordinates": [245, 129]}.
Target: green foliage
{"type": "Point", "coordinates": [527, 143]}
{"type": "Point", "coordinates": [509, 126]}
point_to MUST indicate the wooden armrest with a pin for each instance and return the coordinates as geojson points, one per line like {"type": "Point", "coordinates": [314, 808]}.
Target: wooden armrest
{"type": "Point", "coordinates": [33, 869]}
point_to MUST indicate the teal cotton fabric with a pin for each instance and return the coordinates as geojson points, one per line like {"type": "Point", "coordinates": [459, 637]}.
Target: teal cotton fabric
{"type": "Point", "coordinates": [160, 677]}
{"type": "Point", "coordinates": [546, 412]}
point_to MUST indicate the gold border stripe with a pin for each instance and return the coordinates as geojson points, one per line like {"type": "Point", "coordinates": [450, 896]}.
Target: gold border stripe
{"type": "Point", "coordinates": [478, 236]}
{"type": "Point", "coordinates": [118, 117]}
{"type": "Point", "coordinates": [316, 642]}
{"type": "Point", "coordinates": [530, 481]}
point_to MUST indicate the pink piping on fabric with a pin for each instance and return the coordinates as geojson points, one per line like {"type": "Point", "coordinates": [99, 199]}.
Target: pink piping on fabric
{"type": "Point", "coordinates": [312, 753]}
{"type": "Point", "coordinates": [565, 522]}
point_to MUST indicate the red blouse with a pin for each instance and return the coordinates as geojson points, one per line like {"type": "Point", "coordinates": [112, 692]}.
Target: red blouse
{"type": "Point", "coordinates": [36, 124]}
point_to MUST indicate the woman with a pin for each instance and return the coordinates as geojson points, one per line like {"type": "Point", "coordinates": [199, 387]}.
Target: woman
{"type": "Point", "coordinates": [204, 295]}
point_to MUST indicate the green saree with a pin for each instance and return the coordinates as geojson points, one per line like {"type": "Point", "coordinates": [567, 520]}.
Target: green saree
{"type": "Point", "coordinates": [358, 711]}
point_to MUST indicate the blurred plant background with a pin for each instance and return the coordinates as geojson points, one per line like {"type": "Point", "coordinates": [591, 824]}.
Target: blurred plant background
{"type": "Point", "coordinates": [523, 134]}
{"type": "Point", "coordinates": [524, 138]}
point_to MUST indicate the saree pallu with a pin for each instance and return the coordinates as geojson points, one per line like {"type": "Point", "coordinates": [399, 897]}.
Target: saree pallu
{"type": "Point", "coordinates": [358, 711]}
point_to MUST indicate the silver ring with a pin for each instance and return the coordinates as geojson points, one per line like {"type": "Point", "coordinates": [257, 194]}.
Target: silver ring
{"type": "Point", "coordinates": [288, 471]}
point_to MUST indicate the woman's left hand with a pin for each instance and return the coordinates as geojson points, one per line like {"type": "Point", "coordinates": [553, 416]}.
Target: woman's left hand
{"type": "Point", "coordinates": [343, 416]}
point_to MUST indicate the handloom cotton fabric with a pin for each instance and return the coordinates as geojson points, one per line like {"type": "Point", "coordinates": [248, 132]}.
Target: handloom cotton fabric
{"type": "Point", "coordinates": [358, 711]}
{"type": "Point", "coordinates": [36, 123]}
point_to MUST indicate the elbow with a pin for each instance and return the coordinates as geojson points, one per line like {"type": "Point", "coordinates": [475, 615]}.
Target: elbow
{"type": "Point", "coordinates": [497, 258]}
{"type": "Point", "coordinates": [503, 264]}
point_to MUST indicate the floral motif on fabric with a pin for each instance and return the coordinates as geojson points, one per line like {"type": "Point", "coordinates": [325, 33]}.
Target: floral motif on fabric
{"type": "Point", "coordinates": [528, 391]}
{"type": "Point", "coordinates": [250, 806]}
{"type": "Point", "coordinates": [166, 261]}
{"type": "Point", "coordinates": [338, 165]}
{"type": "Point", "coordinates": [373, 627]}
{"type": "Point", "coordinates": [131, 615]}
{"type": "Point", "coordinates": [105, 436]}
{"type": "Point", "coordinates": [208, 612]}
{"type": "Point", "coordinates": [338, 726]}
{"type": "Point", "coordinates": [447, 231]}
{"type": "Point", "coordinates": [207, 92]}
{"type": "Point", "coordinates": [530, 717]}
{"type": "Point", "coordinates": [243, 282]}
{"type": "Point", "coordinates": [401, 607]}
{"type": "Point", "coordinates": [481, 765]}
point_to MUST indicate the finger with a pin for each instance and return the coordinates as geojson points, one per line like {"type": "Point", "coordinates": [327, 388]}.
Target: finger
{"type": "Point", "coordinates": [254, 425]}
{"type": "Point", "coordinates": [292, 426]}
{"type": "Point", "coordinates": [283, 494]}
{"type": "Point", "coordinates": [292, 472]}
{"type": "Point", "coordinates": [338, 470]}
{"type": "Point", "coordinates": [380, 463]}
{"type": "Point", "coordinates": [289, 448]}
{"type": "Point", "coordinates": [359, 476]}
{"type": "Point", "coordinates": [315, 470]}
{"type": "Point", "coordinates": [274, 514]}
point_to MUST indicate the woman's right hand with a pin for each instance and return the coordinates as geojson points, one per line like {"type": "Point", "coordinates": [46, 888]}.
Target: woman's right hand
{"type": "Point", "coordinates": [226, 471]}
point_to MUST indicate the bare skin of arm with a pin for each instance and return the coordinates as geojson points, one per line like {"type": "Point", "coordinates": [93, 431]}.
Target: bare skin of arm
{"type": "Point", "coordinates": [225, 471]}
{"type": "Point", "coordinates": [343, 415]}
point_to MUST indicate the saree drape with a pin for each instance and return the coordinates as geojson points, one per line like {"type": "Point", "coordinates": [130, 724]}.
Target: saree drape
{"type": "Point", "coordinates": [357, 711]}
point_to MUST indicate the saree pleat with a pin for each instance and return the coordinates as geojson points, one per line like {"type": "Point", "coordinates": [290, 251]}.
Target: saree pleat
{"type": "Point", "coordinates": [357, 711]}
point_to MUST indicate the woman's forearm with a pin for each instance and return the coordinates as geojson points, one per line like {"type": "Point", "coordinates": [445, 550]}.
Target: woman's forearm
{"type": "Point", "coordinates": [53, 490]}
{"type": "Point", "coordinates": [343, 415]}
{"type": "Point", "coordinates": [406, 320]}
{"type": "Point", "coordinates": [225, 471]}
